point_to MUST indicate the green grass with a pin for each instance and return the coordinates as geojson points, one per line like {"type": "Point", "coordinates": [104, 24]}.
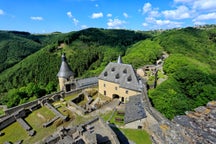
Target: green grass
{"type": "Point", "coordinates": [13, 133]}
{"type": "Point", "coordinates": [137, 136]}
{"type": "Point", "coordinates": [67, 98]}
{"type": "Point", "coordinates": [1, 111]}
{"type": "Point", "coordinates": [107, 115]}
{"type": "Point", "coordinates": [36, 120]}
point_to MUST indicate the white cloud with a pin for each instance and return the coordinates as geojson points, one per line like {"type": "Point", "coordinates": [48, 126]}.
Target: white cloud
{"type": "Point", "coordinates": [97, 15]}
{"type": "Point", "coordinates": [37, 18]}
{"type": "Point", "coordinates": [115, 23]}
{"type": "Point", "coordinates": [168, 23]}
{"type": "Point", "coordinates": [125, 15]}
{"type": "Point", "coordinates": [158, 23]}
{"type": "Point", "coordinates": [69, 14]}
{"type": "Point", "coordinates": [209, 16]}
{"type": "Point", "coordinates": [84, 26]}
{"type": "Point", "coordinates": [198, 23]}
{"type": "Point", "coordinates": [1, 12]}
{"type": "Point", "coordinates": [109, 15]}
{"type": "Point", "coordinates": [183, 1]}
{"type": "Point", "coordinates": [205, 5]}
{"type": "Point", "coordinates": [144, 24]}
{"type": "Point", "coordinates": [75, 21]}
{"type": "Point", "coordinates": [182, 12]}
{"type": "Point", "coordinates": [154, 13]}
{"type": "Point", "coordinates": [146, 7]}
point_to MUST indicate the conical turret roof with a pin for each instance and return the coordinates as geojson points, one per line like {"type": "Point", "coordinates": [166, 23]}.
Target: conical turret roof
{"type": "Point", "coordinates": [65, 71]}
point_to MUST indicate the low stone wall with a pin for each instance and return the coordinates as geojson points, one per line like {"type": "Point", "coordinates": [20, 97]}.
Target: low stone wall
{"type": "Point", "coordinates": [6, 121]}
{"type": "Point", "coordinates": [11, 113]}
{"type": "Point", "coordinates": [26, 105]}
{"type": "Point", "coordinates": [82, 110]}
{"type": "Point", "coordinates": [79, 90]}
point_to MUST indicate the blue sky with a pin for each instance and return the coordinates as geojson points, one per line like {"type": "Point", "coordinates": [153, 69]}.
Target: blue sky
{"type": "Point", "coordinates": [45, 16]}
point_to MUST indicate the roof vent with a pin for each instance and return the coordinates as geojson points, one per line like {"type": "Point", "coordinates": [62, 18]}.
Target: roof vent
{"type": "Point", "coordinates": [117, 76]}
{"type": "Point", "coordinates": [129, 79]}
{"type": "Point", "coordinates": [105, 74]}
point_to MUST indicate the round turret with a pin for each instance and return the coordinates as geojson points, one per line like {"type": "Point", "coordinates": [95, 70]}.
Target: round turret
{"type": "Point", "coordinates": [65, 73]}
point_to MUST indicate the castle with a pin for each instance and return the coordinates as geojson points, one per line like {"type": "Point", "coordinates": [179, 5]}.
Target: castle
{"type": "Point", "coordinates": [118, 80]}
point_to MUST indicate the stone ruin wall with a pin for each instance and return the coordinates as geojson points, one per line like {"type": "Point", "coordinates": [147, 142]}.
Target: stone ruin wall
{"type": "Point", "coordinates": [10, 113]}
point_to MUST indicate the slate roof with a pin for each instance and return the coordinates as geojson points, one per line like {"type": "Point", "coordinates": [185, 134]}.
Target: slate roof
{"type": "Point", "coordinates": [134, 109]}
{"type": "Point", "coordinates": [123, 74]}
{"type": "Point", "coordinates": [86, 81]}
{"type": "Point", "coordinates": [65, 71]}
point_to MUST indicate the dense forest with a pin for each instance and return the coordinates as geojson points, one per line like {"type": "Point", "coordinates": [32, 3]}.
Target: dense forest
{"type": "Point", "coordinates": [32, 62]}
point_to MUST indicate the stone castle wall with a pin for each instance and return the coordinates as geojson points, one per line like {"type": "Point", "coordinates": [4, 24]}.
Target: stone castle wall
{"type": "Point", "coordinates": [12, 113]}
{"type": "Point", "coordinates": [28, 104]}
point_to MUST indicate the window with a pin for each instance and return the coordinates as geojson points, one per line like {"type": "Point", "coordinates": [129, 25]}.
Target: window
{"type": "Point", "coordinates": [105, 74]}
{"type": "Point", "coordinates": [117, 76]}
{"type": "Point", "coordinates": [116, 88]}
{"type": "Point", "coordinates": [129, 79]}
{"type": "Point", "coordinates": [105, 93]}
{"type": "Point", "coordinates": [113, 69]}
{"type": "Point", "coordinates": [104, 85]}
{"type": "Point", "coordinates": [126, 91]}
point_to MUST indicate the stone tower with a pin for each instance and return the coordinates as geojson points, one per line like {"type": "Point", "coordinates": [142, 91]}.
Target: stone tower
{"type": "Point", "coordinates": [65, 73]}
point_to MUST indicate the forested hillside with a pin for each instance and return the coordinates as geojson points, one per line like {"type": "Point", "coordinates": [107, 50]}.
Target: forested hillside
{"type": "Point", "coordinates": [88, 51]}
{"type": "Point", "coordinates": [190, 66]}
{"type": "Point", "coordinates": [14, 46]}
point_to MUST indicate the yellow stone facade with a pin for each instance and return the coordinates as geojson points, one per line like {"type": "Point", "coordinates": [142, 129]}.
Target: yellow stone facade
{"type": "Point", "coordinates": [62, 82]}
{"type": "Point", "coordinates": [113, 90]}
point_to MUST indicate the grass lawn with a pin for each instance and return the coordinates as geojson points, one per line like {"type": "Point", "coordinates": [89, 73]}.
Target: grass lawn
{"type": "Point", "coordinates": [13, 133]}
{"type": "Point", "coordinates": [67, 98]}
{"type": "Point", "coordinates": [36, 120]}
{"type": "Point", "coordinates": [137, 136]}
{"type": "Point", "coordinates": [112, 120]}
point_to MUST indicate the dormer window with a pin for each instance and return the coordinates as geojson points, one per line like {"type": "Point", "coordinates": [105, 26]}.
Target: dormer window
{"type": "Point", "coordinates": [105, 74]}
{"type": "Point", "coordinates": [125, 71]}
{"type": "Point", "coordinates": [129, 79]}
{"type": "Point", "coordinates": [113, 69]}
{"type": "Point", "coordinates": [117, 76]}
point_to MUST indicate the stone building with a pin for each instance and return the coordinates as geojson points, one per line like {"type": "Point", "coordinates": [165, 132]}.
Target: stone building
{"type": "Point", "coordinates": [119, 80]}
{"type": "Point", "coordinates": [65, 73]}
